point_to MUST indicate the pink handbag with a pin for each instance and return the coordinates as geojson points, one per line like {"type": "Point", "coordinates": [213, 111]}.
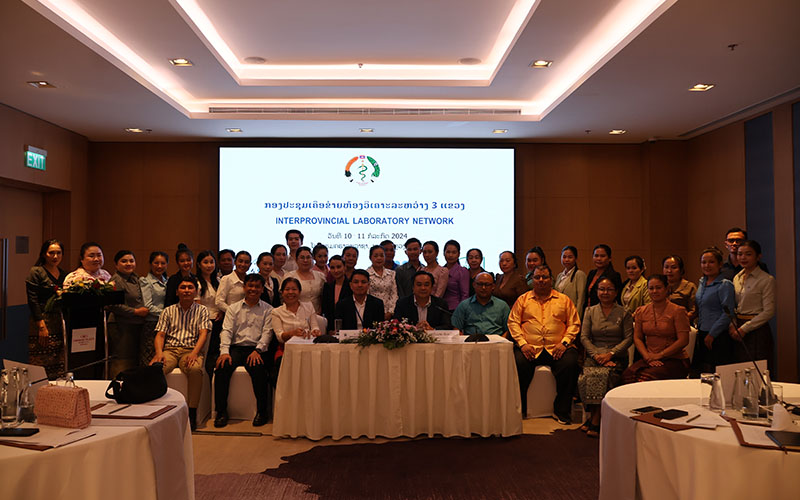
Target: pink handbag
{"type": "Point", "coordinates": [63, 406]}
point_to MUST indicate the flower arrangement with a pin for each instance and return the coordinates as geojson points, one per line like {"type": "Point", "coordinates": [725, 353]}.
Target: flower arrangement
{"type": "Point", "coordinates": [393, 334]}
{"type": "Point", "coordinates": [89, 287]}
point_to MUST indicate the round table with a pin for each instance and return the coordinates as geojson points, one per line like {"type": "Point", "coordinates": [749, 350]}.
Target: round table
{"type": "Point", "coordinates": [639, 460]}
{"type": "Point", "coordinates": [118, 462]}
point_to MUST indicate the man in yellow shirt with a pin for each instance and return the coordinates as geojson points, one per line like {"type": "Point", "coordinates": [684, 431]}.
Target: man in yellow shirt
{"type": "Point", "coordinates": [544, 324]}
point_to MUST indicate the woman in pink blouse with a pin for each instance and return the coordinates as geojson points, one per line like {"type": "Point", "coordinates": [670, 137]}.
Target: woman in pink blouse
{"type": "Point", "coordinates": [430, 252]}
{"type": "Point", "coordinates": [661, 332]}
{"type": "Point", "coordinates": [90, 266]}
{"type": "Point", "coordinates": [458, 276]}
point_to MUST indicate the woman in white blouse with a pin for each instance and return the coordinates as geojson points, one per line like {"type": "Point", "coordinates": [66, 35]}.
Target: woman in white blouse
{"type": "Point", "coordinates": [381, 281]}
{"type": "Point", "coordinates": [755, 306]}
{"type": "Point", "coordinates": [208, 282]}
{"type": "Point", "coordinates": [293, 318]}
{"type": "Point", "coordinates": [231, 286]}
{"type": "Point", "coordinates": [571, 281]}
{"type": "Point", "coordinates": [312, 281]}
{"type": "Point", "coordinates": [278, 252]}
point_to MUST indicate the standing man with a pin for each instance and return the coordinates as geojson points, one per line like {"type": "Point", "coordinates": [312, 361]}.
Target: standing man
{"type": "Point", "coordinates": [180, 336]}
{"type": "Point", "coordinates": [225, 262]}
{"type": "Point", "coordinates": [421, 308]}
{"type": "Point", "coordinates": [733, 239]}
{"type": "Point", "coordinates": [294, 240]}
{"type": "Point", "coordinates": [359, 310]}
{"type": "Point", "coordinates": [404, 275]}
{"type": "Point", "coordinates": [482, 313]}
{"type": "Point", "coordinates": [388, 251]}
{"type": "Point", "coordinates": [544, 324]}
{"type": "Point", "coordinates": [244, 339]}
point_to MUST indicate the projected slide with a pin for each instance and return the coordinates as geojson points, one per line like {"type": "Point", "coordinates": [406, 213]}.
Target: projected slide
{"type": "Point", "coordinates": [362, 196]}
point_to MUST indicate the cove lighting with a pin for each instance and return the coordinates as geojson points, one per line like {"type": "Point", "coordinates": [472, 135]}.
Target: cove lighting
{"type": "Point", "coordinates": [500, 131]}
{"type": "Point", "coordinates": [366, 130]}
{"type": "Point", "coordinates": [234, 130]}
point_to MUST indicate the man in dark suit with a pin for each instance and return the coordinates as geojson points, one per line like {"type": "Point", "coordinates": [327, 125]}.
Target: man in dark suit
{"type": "Point", "coordinates": [421, 308]}
{"type": "Point", "coordinates": [359, 310]}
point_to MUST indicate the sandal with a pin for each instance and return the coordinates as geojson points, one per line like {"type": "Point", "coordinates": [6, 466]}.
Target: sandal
{"type": "Point", "coordinates": [593, 431]}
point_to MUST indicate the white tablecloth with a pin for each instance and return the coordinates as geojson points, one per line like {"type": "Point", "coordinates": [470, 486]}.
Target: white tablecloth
{"type": "Point", "coordinates": [639, 460]}
{"type": "Point", "coordinates": [117, 463]}
{"type": "Point", "coordinates": [342, 390]}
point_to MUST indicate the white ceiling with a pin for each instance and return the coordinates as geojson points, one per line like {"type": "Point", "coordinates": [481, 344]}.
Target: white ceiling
{"type": "Point", "coordinates": [617, 64]}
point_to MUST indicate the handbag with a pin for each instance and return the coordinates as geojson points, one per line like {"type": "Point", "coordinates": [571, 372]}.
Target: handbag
{"type": "Point", "coordinates": [138, 385]}
{"type": "Point", "coordinates": [63, 406]}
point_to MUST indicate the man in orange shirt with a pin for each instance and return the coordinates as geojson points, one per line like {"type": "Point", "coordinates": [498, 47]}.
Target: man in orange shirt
{"type": "Point", "coordinates": [544, 324]}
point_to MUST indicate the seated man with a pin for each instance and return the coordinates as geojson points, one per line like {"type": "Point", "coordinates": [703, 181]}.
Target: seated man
{"type": "Point", "coordinates": [544, 323]}
{"type": "Point", "coordinates": [482, 313]}
{"type": "Point", "coordinates": [244, 339]}
{"type": "Point", "coordinates": [421, 308]}
{"type": "Point", "coordinates": [180, 336]}
{"type": "Point", "coordinates": [359, 310]}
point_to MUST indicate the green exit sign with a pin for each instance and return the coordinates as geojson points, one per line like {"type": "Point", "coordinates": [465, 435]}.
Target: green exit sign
{"type": "Point", "coordinates": [35, 158]}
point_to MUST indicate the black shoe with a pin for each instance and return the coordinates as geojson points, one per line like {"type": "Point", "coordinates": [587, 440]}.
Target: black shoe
{"type": "Point", "coordinates": [259, 420]}
{"type": "Point", "coordinates": [193, 419]}
{"type": "Point", "coordinates": [221, 420]}
{"type": "Point", "coordinates": [563, 419]}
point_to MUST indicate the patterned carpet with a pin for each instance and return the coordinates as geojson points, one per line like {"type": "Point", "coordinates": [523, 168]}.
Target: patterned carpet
{"type": "Point", "coordinates": [561, 466]}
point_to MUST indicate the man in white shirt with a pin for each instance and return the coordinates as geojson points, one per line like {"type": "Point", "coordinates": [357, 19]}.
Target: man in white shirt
{"type": "Point", "coordinates": [294, 240]}
{"type": "Point", "coordinates": [245, 336]}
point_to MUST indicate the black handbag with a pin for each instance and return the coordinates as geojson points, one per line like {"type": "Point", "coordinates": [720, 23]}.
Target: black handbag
{"type": "Point", "coordinates": [138, 385]}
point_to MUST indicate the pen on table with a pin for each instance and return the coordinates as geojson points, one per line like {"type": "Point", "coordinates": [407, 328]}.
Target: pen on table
{"type": "Point", "coordinates": [128, 406]}
{"type": "Point", "coordinates": [693, 418]}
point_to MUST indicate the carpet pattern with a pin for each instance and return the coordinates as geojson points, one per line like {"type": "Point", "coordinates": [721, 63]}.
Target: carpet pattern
{"type": "Point", "coordinates": [562, 466]}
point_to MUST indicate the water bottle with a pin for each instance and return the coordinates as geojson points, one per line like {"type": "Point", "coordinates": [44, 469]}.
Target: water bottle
{"type": "Point", "coordinates": [766, 396]}
{"type": "Point", "coordinates": [750, 396]}
{"type": "Point", "coordinates": [25, 404]}
{"type": "Point", "coordinates": [9, 397]}
{"type": "Point", "coordinates": [738, 391]}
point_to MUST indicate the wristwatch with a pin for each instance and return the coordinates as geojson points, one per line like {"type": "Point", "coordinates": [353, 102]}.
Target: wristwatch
{"type": "Point", "coordinates": [565, 343]}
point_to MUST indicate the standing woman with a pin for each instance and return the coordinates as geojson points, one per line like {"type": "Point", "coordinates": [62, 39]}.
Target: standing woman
{"type": "Point", "coordinates": [334, 290]}
{"type": "Point", "coordinates": [278, 252]}
{"type": "Point", "coordinates": [572, 281]}
{"type": "Point", "coordinates": [126, 323]}
{"type": "Point", "coordinates": [634, 290]}
{"type": "Point", "coordinates": [430, 252]}
{"type": "Point", "coordinates": [185, 259]}
{"type": "Point", "coordinates": [154, 293]}
{"type": "Point", "coordinates": [381, 281]}
{"type": "Point", "coordinates": [510, 284]}
{"type": "Point", "coordinates": [90, 266]}
{"type": "Point", "coordinates": [320, 253]}
{"type": "Point", "coordinates": [208, 284]}
{"type": "Point", "coordinates": [458, 276]}
{"type": "Point", "coordinates": [533, 259]}
{"type": "Point", "coordinates": [474, 261]}
{"type": "Point", "coordinates": [350, 258]}
{"type": "Point", "coordinates": [606, 334]}
{"type": "Point", "coordinates": [45, 335]}
{"type": "Point", "coordinates": [681, 291]}
{"type": "Point", "coordinates": [603, 267]}
{"type": "Point", "coordinates": [755, 306]}
{"type": "Point", "coordinates": [271, 294]}
{"type": "Point", "coordinates": [311, 281]}
{"type": "Point", "coordinates": [715, 294]}
{"type": "Point", "coordinates": [231, 287]}
{"type": "Point", "coordinates": [660, 334]}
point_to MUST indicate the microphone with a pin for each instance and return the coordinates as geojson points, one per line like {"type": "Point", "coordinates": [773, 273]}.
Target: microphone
{"type": "Point", "coordinates": [732, 319]}
{"type": "Point", "coordinates": [442, 309]}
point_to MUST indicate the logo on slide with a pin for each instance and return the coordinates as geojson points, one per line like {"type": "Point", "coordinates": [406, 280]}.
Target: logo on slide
{"type": "Point", "coordinates": [362, 174]}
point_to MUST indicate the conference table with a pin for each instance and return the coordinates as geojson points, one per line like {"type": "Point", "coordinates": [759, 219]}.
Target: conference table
{"type": "Point", "coordinates": [448, 388]}
{"type": "Point", "coordinates": [124, 460]}
{"type": "Point", "coordinates": [640, 460]}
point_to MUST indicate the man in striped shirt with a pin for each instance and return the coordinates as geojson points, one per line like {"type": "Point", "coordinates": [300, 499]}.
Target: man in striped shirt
{"type": "Point", "coordinates": [180, 336]}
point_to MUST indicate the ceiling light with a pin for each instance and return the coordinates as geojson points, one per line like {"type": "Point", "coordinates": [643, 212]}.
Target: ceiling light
{"type": "Point", "coordinates": [254, 60]}
{"type": "Point", "coordinates": [541, 63]}
{"type": "Point", "coordinates": [469, 61]}
{"type": "Point", "coordinates": [617, 131]}
{"type": "Point", "coordinates": [234, 130]}
{"type": "Point", "coordinates": [701, 87]}
{"type": "Point", "coordinates": [366, 130]}
{"type": "Point", "coordinates": [41, 84]}
{"type": "Point", "coordinates": [500, 131]}
{"type": "Point", "coordinates": [180, 61]}
{"type": "Point", "coordinates": [135, 130]}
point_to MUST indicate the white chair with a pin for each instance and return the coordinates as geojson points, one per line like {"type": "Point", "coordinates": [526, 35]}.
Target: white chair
{"type": "Point", "coordinates": [541, 393]}
{"type": "Point", "coordinates": [178, 381]}
{"type": "Point", "coordinates": [689, 346]}
{"type": "Point", "coordinates": [241, 400]}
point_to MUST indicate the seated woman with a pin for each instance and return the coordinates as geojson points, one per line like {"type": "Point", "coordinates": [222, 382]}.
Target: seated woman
{"type": "Point", "coordinates": [293, 318]}
{"type": "Point", "coordinates": [231, 286]}
{"type": "Point", "coordinates": [90, 266]}
{"type": "Point", "coordinates": [474, 261]}
{"type": "Point", "coordinates": [335, 290]}
{"type": "Point", "coordinates": [154, 292]}
{"type": "Point", "coordinates": [571, 281]}
{"type": "Point", "coordinates": [272, 293]}
{"type": "Point", "coordinates": [606, 334]}
{"type": "Point", "coordinates": [634, 290]}
{"type": "Point", "coordinates": [755, 306]}
{"type": "Point", "coordinates": [713, 345]}
{"type": "Point", "coordinates": [126, 323]}
{"type": "Point", "coordinates": [185, 259]}
{"type": "Point", "coordinates": [45, 334]}
{"type": "Point", "coordinates": [312, 281]}
{"type": "Point", "coordinates": [208, 284]}
{"type": "Point", "coordinates": [603, 267]}
{"type": "Point", "coordinates": [430, 252]}
{"type": "Point", "coordinates": [279, 256]}
{"type": "Point", "coordinates": [509, 284]}
{"type": "Point", "coordinates": [381, 281]}
{"type": "Point", "coordinates": [681, 291]}
{"type": "Point", "coordinates": [458, 276]}
{"type": "Point", "coordinates": [660, 334]}
{"type": "Point", "coordinates": [533, 259]}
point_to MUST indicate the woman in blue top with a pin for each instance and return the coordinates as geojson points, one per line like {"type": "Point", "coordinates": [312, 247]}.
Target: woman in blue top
{"type": "Point", "coordinates": [154, 293]}
{"type": "Point", "coordinates": [713, 345]}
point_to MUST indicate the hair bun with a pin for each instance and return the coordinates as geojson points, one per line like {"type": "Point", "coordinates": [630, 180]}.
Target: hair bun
{"type": "Point", "coordinates": [182, 246]}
